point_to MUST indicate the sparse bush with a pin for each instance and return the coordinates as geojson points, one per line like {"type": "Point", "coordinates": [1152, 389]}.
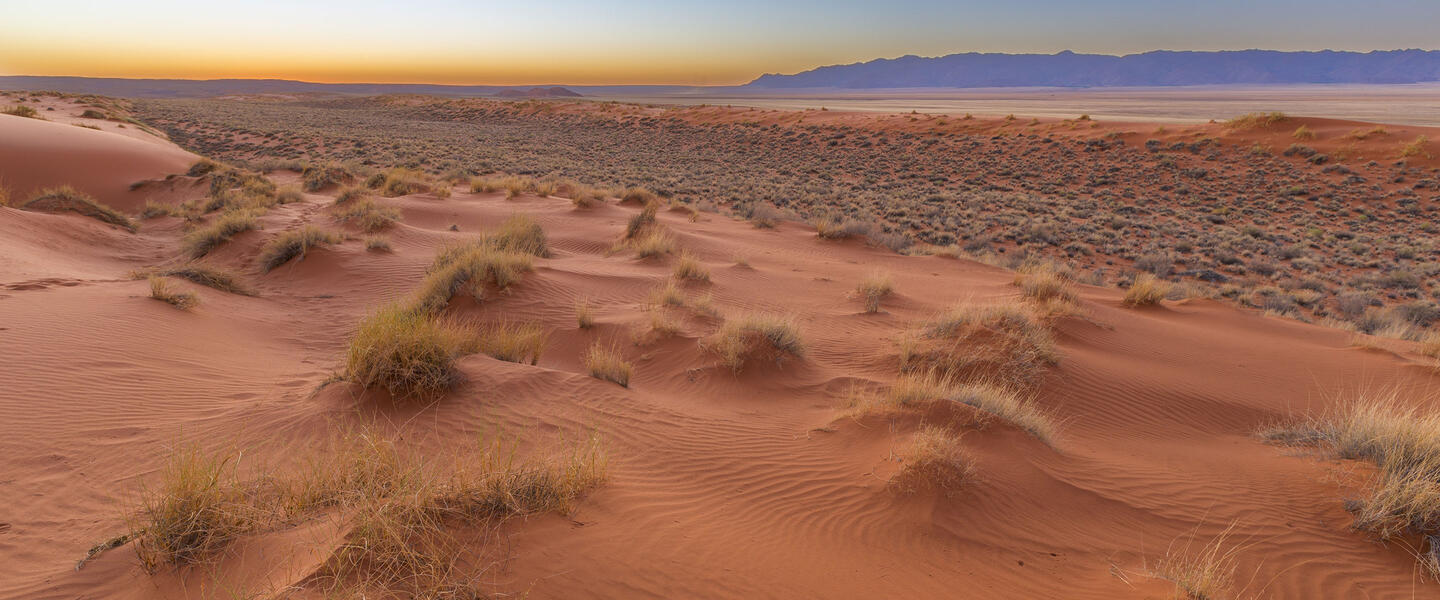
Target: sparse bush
{"type": "Point", "coordinates": [474, 265]}
{"type": "Point", "coordinates": [653, 244]}
{"type": "Point", "coordinates": [22, 110]}
{"type": "Point", "coordinates": [1416, 148]}
{"type": "Point", "coordinates": [521, 233]}
{"type": "Point", "coordinates": [1146, 290]}
{"type": "Point", "coordinates": [202, 274]}
{"type": "Point", "coordinates": [935, 460]}
{"type": "Point", "coordinates": [512, 342]}
{"type": "Point", "coordinates": [606, 362]}
{"type": "Point", "coordinates": [1045, 284]}
{"type": "Point", "coordinates": [583, 316]}
{"type": "Point", "coordinates": [410, 353]}
{"type": "Point", "coordinates": [688, 267]}
{"type": "Point", "coordinates": [873, 289]}
{"type": "Point", "coordinates": [289, 194]}
{"type": "Point", "coordinates": [756, 336]}
{"type": "Point", "coordinates": [976, 341]}
{"type": "Point", "coordinates": [1009, 406]}
{"type": "Point", "coordinates": [294, 243]}
{"type": "Point", "coordinates": [160, 290]}
{"type": "Point", "coordinates": [66, 198]}
{"type": "Point", "coordinates": [203, 240]}
{"type": "Point", "coordinates": [378, 243]}
{"type": "Point", "coordinates": [351, 193]}
{"type": "Point", "coordinates": [366, 215]}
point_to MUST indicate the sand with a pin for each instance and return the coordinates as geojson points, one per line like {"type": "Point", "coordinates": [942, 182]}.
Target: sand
{"type": "Point", "coordinates": [722, 485]}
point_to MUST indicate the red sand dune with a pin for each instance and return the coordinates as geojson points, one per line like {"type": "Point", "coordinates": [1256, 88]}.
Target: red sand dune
{"type": "Point", "coordinates": [723, 485]}
{"type": "Point", "coordinates": [37, 154]}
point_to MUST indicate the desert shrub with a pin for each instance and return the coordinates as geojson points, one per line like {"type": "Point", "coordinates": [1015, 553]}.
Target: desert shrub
{"type": "Point", "coordinates": [196, 510]}
{"type": "Point", "coordinates": [289, 194]}
{"type": "Point", "coordinates": [203, 240]}
{"type": "Point", "coordinates": [688, 267]}
{"type": "Point", "coordinates": [294, 243]}
{"type": "Point", "coordinates": [66, 198]}
{"type": "Point", "coordinates": [973, 341]}
{"type": "Point", "coordinates": [1146, 290]}
{"type": "Point", "coordinates": [765, 216]}
{"type": "Point", "coordinates": [667, 294]}
{"type": "Point", "coordinates": [366, 215]}
{"type": "Point", "coordinates": [934, 460]}
{"type": "Point", "coordinates": [873, 289]}
{"type": "Point", "coordinates": [1205, 574]}
{"type": "Point", "coordinates": [1416, 148]}
{"type": "Point", "coordinates": [351, 193]}
{"type": "Point", "coordinates": [475, 266]}
{"type": "Point", "coordinates": [317, 177]}
{"type": "Point", "coordinates": [91, 113]}
{"type": "Point", "coordinates": [520, 233]}
{"type": "Point", "coordinates": [1303, 133]}
{"type": "Point", "coordinates": [160, 290]}
{"type": "Point", "coordinates": [606, 362]}
{"type": "Point", "coordinates": [22, 110]}
{"type": "Point", "coordinates": [1404, 445]}
{"type": "Point", "coordinates": [653, 244]}
{"type": "Point", "coordinates": [643, 222]}
{"type": "Point", "coordinates": [1256, 120]}
{"type": "Point", "coordinates": [756, 336]}
{"type": "Point", "coordinates": [638, 195]}
{"type": "Point", "coordinates": [830, 228]}
{"type": "Point", "coordinates": [378, 243]}
{"type": "Point", "coordinates": [584, 318]}
{"type": "Point", "coordinates": [410, 353]}
{"type": "Point", "coordinates": [512, 341]}
{"type": "Point", "coordinates": [1044, 283]}
{"type": "Point", "coordinates": [401, 181]}
{"type": "Point", "coordinates": [1008, 405]}
{"type": "Point", "coordinates": [209, 276]}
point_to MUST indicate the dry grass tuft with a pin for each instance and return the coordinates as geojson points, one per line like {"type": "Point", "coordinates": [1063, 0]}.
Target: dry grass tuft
{"type": "Point", "coordinates": [511, 341]}
{"type": "Point", "coordinates": [1416, 148]}
{"type": "Point", "coordinates": [66, 198]}
{"type": "Point", "coordinates": [1403, 442]}
{"type": "Point", "coordinates": [1045, 284]}
{"type": "Point", "coordinates": [475, 266]}
{"type": "Point", "coordinates": [160, 290]}
{"type": "Point", "coordinates": [667, 294]}
{"type": "Point", "coordinates": [1009, 406]}
{"type": "Point", "coordinates": [935, 460]}
{"type": "Point", "coordinates": [606, 362]}
{"type": "Point", "coordinates": [351, 193]}
{"type": "Point", "coordinates": [874, 288]}
{"type": "Point", "coordinates": [756, 336]}
{"type": "Point", "coordinates": [366, 215]}
{"type": "Point", "coordinates": [1256, 120]}
{"type": "Point", "coordinates": [973, 341]}
{"type": "Point", "coordinates": [409, 353]}
{"type": "Point", "coordinates": [294, 243]}
{"type": "Point", "coordinates": [584, 318]}
{"type": "Point", "coordinates": [520, 233]}
{"type": "Point", "coordinates": [224, 280]}
{"type": "Point", "coordinates": [653, 244]}
{"type": "Point", "coordinates": [688, 267]}
{"type": "Point", "coordinates": [378, 243]}
{"type": "Point", "coordinates": [1146, 290]}
{"type": "Point", "coordinates": [203, 240]}
{"type": "Point", "coordinates": [198, 508]}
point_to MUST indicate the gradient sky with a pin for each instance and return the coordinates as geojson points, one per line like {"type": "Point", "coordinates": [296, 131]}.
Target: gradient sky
{"type": "Point", "coordinates": [647, 41]}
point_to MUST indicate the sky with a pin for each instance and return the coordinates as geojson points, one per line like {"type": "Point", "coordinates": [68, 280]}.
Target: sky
{"type": "Point", "coordinates": [687, 42]}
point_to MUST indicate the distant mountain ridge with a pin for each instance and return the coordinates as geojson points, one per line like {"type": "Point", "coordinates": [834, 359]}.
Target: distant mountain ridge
{"type": "Point", "coordinates": [539, 92]}
{"type": "Point", "coordinates": [1157, 68]}
{"type": "Point", "coordinates": [202, 88]}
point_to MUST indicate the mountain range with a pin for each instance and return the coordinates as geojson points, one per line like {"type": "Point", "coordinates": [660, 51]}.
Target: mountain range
{"type": "Point", "coordinates": [1158, 68]}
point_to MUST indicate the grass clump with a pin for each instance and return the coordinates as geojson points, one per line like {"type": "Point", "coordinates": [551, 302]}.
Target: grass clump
{"type": "Point", "coordinates": [1303, 133]}
{"type": "Point", "coordinates": [217, 278]}
{"type": "Point", "coordinates": [401, 181]}
{"type": "Point", "coordinates": [689, 268]}
{"type": "Point", "coordinates": [974, 341]}
{"type": "Point", "coordinates": [198, 508]}
{"type": "Point", "coordinates": [520, 233]}
{"type": "Point", "coordinates": [1256, 120]}
{"type": "Point", "coordinates": [351, 193]}
{"type": "Point", "coordinates": [318, 177]}
{"type": "Point", "coordinates": [294, 243]}
{"type": "Point", "coordinates": [642, 222]}
{"type": "Point", "coordinates": [378, 243]}
{"type": "Point", "coordinates": [1146, 290]}
{"type": "Point", "coordinates": [757, 336]}
{"type": "Point", "coordinates": [1403, 443]}
{"type": "Point", "coordinates": [584, 318]}
{"type": "Point", "coordinates": [22, 110]}
{"type": "Point", "coordinates": [366, 215]}
{"type": "Point", "coordinates": [1045, 284]}
{"type": "Point", "coordinates": [206, 239]}
{"type": "Point", "coordinates": [607, 363]}
{"type": "Point", "coordinates": [653, 244]}
{"type": "Point", "coordinates": [160, 290]}
{"type": "Point", "coordinates": [475, 266]}
{"type": "Point", "coordinates": [1009, 406]}
{"type": "Point", "coordinates": [873, 289]}
{"type": "Point", "coordinates": [66, 198]}
{"type": "Point", "coordinates": [1416, 148]}
{"type": "Point", "coordinates": [411, 354]}
{"type": "Point", "coordinates": [935, 460]}
{"type": "Point", "coordinates": [512, 342]}
{"type": "Point", "coordinates": [1208, 574]}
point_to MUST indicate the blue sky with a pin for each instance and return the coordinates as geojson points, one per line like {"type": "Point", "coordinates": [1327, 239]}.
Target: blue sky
{"type": "Point", "coordinates": [648, 41]}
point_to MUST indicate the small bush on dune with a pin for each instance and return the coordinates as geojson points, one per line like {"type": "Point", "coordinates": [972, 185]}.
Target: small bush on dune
{"type": "Point", "coordinates": [1416, 148]}
{"type": "Point", "coordinates": [378, 243]}
{"type": "Point", "coordinates": [289, 195]}
{"type": "Point", "coordinates": [401, 181]}
{"type": "Point", "coordinates": [607, 363]}
{"type": "Point", "coordinates": [520, 233]}
{"type": "Point", "coordinates": [1045, 284]}
{"type": "Point", "coordinates": [1009, 406]}
{"type": "Point", "coordinates": [1256, 120]}
{"type": "Point", "coordinates": [873, 289]}
{"type": "Point", "coordinates": [160, 290]}
{"type": "Point", "coordinates": [832, 229]}
{"type": "Point", "coordinates": [294, 243]}
{"type": "Point", "coordinates": [643, 222]}
{"type": "Point", "coordinates": [1403, 443]}
{"type": "Point", "coordinates": [511, 342]}
{"type": "Point", "coordinates": [366, 215]}
{"type": "Point", "coordinates": [22, 110]}
{"type": "Point", "coordinates": [584, 196]}
{"type": "Point", "coordinates": [411, 354]}
{"type": "Point", "coordinates": [203, 240]}
{"type": "Point", "coordinates": [318, 177]}
{"type": "Point", "coordinates": [690, 268]}
{"type": "Point", "coordinates": [667, 294]}
{"type": "Point", "coordinates": [765, 216]}
{"type": "Point", "coordinates": [756, 336]}
{"type": "Point", "coordinates": [654, 244]}
{"type": "Point", "coordinates": [1303, 133]}
{"type": "Point", "coordinates": [639, 195]}
{"type": "Point", "coordinates": [1146, 290]}
{"type": "Point", "coordinates": [971, 340]}
{"type": "Point", "coordinates": [473, 265]}
{"type": "Point", "coordinates": [351, 193]}
{"type": "Point", "coordinates": [202, 274]}
{"type": "Point", "coordinates": [935, 460]}
{"type": "Point", "coordinates": [1203, 575]}
{"type": "Point", "coordinates": [198, 508]}
{"type": "Point", "coordinates": [66, 198]}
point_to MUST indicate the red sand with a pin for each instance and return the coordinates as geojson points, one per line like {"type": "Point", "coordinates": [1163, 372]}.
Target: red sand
{"type": "Point", "coordinates": [722, 486]}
